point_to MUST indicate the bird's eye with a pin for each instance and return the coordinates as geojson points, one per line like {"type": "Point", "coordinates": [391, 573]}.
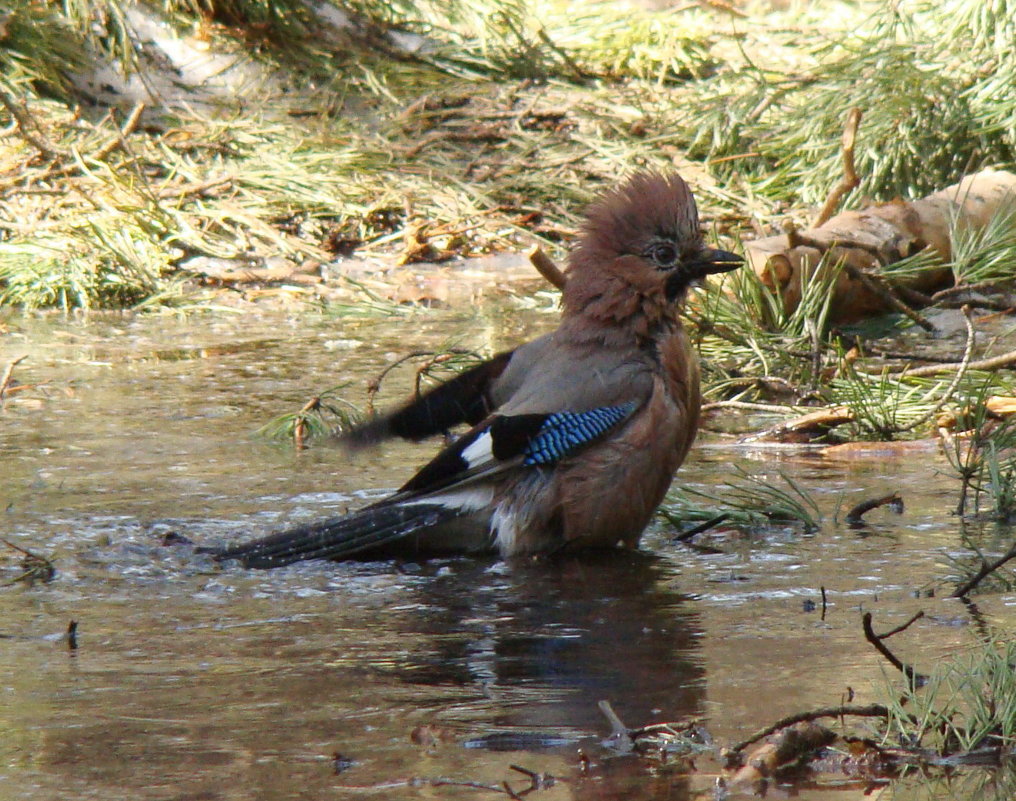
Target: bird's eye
{"type": "Point", "coordinates": [663, 254]}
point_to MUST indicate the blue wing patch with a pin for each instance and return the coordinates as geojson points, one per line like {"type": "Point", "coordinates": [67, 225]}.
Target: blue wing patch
{"type": "Point", "coordinates": [562, 432]}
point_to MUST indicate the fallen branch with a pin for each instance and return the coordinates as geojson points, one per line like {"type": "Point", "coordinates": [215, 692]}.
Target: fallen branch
{"type": "Point", "coordinates": [794, 744]}
{"type": "Point", "coordinates": [870, 239]}
{"type": "Point", "coordinates": [870, 711]}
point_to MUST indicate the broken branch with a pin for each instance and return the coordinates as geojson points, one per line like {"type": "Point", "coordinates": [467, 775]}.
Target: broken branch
{"type": "Point", "coordinates": [546, 267]}
{"type": "Point", "coordinates": [850, 179]}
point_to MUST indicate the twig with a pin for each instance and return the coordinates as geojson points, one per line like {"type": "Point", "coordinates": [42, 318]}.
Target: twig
{"type": "Point", "coordinates": [129, 126]}
{"type": "Point", "coordinates": [35, 566]}
{"type": "Point", "coordinates": [983, 630]}
{"type": "Point", "coordinates": [300, 427]}
{"type": "Point", "coordinates": [19, 111]}
{"type": "Point", "coordinates": [855, 517]}
{"type": "Point", "coordinates": [870, 711]}
{"type": "Point", "coordinates": [875, 285]}
{"type": "Point", "coordinates": [912, 296]}
{"type": "Point", "coordinates": [5, 382]}
{"type": "Point", "coordinates": [993, 363]}
{"type": "Point", "coordinates": [687, 535]}
{"type": "Point", "coordinates": [374, 384]}
{"type": "Point", "coordinates": [720, 5]}
{"type": "Point", "coordinates": [913, 676]}
{"type": "Point", "coordinates": [902, 627]}
{"type": "Point", "coordinates": [921, 357]}
{"type": "Point", "coordinates": [772, 408]}
{"type": "Point", "coordinates": [545, 266]}
{"type": "Point", "coordinates": [850, 179]}
{"type": "Point", "coordinates": [537, 781]}
{"type": "Point", "coordinates": [815, 422]}
{"type": "Point", "coordinates": [959, 289]}
{"type": "Point", "coordinates": [986, 570]}
{"type": "Point", "coordinates": [76, 164]}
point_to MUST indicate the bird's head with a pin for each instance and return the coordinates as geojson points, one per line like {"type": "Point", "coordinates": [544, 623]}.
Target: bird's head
{"type": "Point", "coordinates": [640, 250]}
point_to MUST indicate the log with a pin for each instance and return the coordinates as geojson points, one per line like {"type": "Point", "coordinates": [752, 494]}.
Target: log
{"type": "Point", "coordinates": [877, 236]}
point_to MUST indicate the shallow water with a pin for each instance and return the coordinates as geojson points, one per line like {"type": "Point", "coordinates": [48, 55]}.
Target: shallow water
{"type": "Point", "coordinates": [191, 681]}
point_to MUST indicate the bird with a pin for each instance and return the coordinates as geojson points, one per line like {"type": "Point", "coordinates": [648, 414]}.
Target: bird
{"type": "Point", "coordinates": [575, 436]}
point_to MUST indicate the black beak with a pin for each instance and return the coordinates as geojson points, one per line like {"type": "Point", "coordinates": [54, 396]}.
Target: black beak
{"type": "Point", "coordinates": [710, 260]}
{"type": "Point", "coordinates": [693, 271]}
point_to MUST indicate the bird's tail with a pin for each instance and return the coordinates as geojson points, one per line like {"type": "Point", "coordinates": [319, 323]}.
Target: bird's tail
{"type": "Point", "coordinates": [368, 530]}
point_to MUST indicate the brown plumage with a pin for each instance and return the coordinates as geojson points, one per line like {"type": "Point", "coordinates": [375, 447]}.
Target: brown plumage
{"type": "Point", "coordinates": [576, 435]}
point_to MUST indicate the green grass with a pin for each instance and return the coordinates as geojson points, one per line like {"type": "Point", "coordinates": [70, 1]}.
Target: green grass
{"type": "Point", "coordinates": [967, 703]}
{"type": "Point", "coordinates": [751, 503]}
{"type": "Point", "coordinates": [930, 112]}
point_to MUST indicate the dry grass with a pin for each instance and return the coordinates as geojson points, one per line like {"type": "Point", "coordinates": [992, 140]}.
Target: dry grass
{"type": "Point", "coordinates": [492, 136]}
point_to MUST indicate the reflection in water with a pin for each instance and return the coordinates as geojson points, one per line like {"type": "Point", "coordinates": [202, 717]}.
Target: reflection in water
{"type": "Point", "coordinates": [542, 642]}
{"type": "Point", "coordinates": [548, 640]}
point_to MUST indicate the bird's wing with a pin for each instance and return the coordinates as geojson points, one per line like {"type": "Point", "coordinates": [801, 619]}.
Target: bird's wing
{"type": "Point", "coordinates": [554, 400]}
{"type": "Point", "coordinates": [469, 397]}
{"type": "Point", "coordinates": [509, 441]}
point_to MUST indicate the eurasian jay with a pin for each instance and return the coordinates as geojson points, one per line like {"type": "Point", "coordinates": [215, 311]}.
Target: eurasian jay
{"type": "Point", "coordinates": [576, 435]}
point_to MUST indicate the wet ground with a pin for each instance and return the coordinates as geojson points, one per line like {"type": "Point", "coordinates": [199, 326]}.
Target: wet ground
{"type": "Point", "coordinates": [195, 682]}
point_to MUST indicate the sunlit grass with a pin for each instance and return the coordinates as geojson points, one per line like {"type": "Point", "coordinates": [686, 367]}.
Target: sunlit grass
{"type": "Point", "coordinates": [968, 702]}
{"type": "Point", "coordinates": [752, 502]}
